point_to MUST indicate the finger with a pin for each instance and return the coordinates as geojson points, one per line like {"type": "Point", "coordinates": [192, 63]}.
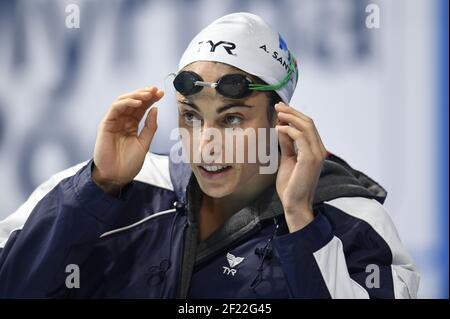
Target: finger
{"type": "Point", "coordinates": [305, 127]}
{"type": "Point", "coordinates": [146, 104]}
{"type": "Point", "coordinates": [146, 96]}
{"type": "Point", "coordinates": [150, 95]}
{"type": "Point", "coordinates": [156, 95]}
{"type": "Point", "coordinates": [119, 107]}
{"type": "Point", "coordinates": [282, 107]}
{"type": "Point", "coordinates": [137, 95]}
{"type": "Point", "coordinates": [144, 90]}
{"type": "Point", "coordinates": [298, 122]}
{"type": "Point", "coordinates": [298, 138]}
{"type": "Point", "coordinates": [149, 129]}
{"type": "Point", "coordinates": [286, 143]}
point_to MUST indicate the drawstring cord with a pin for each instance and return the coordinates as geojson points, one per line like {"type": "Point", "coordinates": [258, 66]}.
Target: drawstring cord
{"type": "Point", "coordinates": [264, 253]}
{"type": "Point", "coordinates": [158, 273]}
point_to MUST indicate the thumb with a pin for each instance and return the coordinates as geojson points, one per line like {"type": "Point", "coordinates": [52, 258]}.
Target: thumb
{"type": "Point", "coordinates": [149, 129]}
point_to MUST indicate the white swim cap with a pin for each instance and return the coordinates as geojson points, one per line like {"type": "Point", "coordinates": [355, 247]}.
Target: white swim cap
{"type": "Point", "coordinates": [247, 42]}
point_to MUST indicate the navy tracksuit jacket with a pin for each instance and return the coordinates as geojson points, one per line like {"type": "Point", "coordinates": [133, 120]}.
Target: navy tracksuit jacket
{"type": "Point", "coordinates": [144, 243]}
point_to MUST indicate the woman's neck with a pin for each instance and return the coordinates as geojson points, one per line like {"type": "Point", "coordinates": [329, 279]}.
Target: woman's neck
{"type": "Point", "coordinates": [215, 211]}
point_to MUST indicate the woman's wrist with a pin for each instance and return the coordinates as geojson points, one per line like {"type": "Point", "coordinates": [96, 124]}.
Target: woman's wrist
{"type": "Point", "coordinates": [298, 219]}
{"type": "Point", "coordinates": [109, 187]}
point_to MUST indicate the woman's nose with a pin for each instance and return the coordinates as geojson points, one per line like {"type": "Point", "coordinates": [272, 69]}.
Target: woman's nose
{"type": "Point", "coordinates": [210, 141]}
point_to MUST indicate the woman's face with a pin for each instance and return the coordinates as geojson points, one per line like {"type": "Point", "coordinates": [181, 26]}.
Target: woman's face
{"type": "Point", "coordinates": [210, 111]}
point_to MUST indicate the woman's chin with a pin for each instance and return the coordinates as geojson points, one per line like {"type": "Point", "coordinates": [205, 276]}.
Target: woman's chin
{"type": "Point", "coordinates": [216, 191]}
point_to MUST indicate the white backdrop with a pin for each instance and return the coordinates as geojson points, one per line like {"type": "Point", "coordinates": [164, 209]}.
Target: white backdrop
{"type": "Point", "coordinates": [370, 91]}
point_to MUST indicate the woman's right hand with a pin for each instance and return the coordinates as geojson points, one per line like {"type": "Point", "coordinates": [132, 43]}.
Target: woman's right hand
{"type": "Point", "coordinates": [119, 150]}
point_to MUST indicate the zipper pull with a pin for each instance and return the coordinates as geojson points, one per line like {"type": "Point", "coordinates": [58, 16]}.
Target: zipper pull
{"type": "Point", "coordinates": [179, 208]}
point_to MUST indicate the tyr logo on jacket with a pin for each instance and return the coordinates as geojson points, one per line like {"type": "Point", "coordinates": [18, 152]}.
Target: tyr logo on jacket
{"type": "Point", "coordinates": [232, 261]}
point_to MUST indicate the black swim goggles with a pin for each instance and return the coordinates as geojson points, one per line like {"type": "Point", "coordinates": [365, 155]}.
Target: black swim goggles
{"type": "Point", "coordinates": [235, 85]}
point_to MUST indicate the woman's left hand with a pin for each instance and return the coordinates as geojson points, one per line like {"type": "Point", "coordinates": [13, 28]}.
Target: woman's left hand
{"type": "Point", "coordinates": [299, 171]}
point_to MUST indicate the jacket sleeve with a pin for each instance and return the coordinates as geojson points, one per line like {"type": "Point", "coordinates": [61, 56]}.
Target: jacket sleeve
{"type": "Point", "coordinates": [350, 250]}
{"type": "Point", "coordinates": [15, 221]}
{"type": "Point", "coordinates": [33, 259]}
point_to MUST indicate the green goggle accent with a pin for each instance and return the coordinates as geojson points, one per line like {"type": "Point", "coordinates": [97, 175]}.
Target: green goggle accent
{"type": "Point", "coordinates": [279, 85]}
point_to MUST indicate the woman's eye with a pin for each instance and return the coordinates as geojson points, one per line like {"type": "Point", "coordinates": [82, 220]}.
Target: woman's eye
{"type": "Point", "coordinates": [233, 120]}
{"type": "Point", "coordinates": [190, 117]}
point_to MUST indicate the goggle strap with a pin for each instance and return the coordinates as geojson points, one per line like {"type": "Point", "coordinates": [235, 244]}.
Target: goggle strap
{"type": "Point", "coordinates": [273, 87]}
{"type": "Point", "coordinates": [279, 85]}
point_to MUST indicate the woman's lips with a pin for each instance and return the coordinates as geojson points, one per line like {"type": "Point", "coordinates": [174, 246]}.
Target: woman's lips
{"type": "Point", "coordinates": [214, 171]}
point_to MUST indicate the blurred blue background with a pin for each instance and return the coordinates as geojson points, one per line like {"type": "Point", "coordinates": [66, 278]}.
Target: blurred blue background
{"type": "Point", "coordinates": [379, 96]}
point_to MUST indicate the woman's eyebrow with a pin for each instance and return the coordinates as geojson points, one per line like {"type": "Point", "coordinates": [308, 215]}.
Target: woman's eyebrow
{"type": "Point", "coordinates": [189, 104]}
{"type": "Point", "coordinates": [230, 105]}
{"type": "Point", "coordinates": [220, 109]}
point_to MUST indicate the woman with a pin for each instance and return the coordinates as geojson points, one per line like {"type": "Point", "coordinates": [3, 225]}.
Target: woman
{"type": "Point", "coordinates": [137, 225]}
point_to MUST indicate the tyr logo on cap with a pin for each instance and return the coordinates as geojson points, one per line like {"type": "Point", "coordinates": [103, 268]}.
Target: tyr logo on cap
{"type": "Point", "coordinates": [228, 46]}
